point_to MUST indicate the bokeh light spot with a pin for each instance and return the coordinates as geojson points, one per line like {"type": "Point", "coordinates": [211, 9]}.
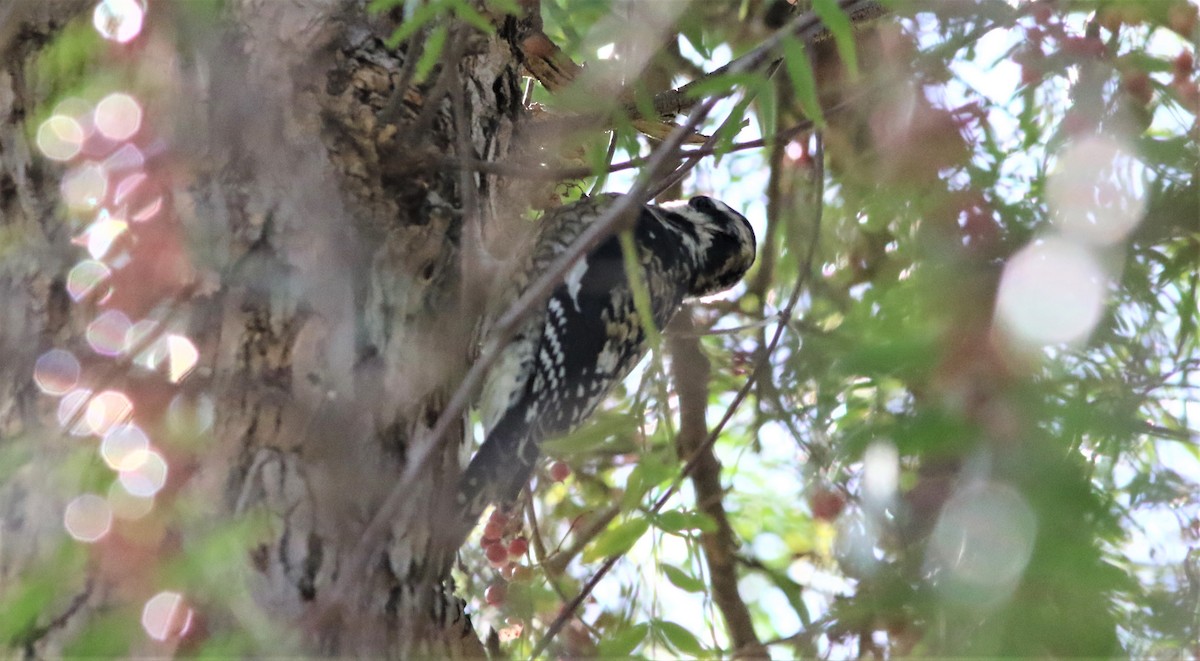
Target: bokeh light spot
{"type": "Point", "coordinates": [148, 211]}
{"type": "Point", "coordinates": [84, 187]}
{"type": "Point", "coordinates": [125, 159]}
{"type": "Point", "coordinates": [881, 471]}
{"type": "Point", "coordinates": [125, 447]}
{"type": "Point", "coordinates": [60, 138]}
{"type": "Point", "coordinates": [85, 277]}
{"type": "Point", "coordinates": [87, 518]}
{"type": "Point", "coordinates": [165, 615]}
{"type": "Point", "coordinates": [71, 407]}
{"type": "Point", "coordinates": [118, 116]}
{"type": "Point", "coordinates": [983, 540]}
{"type": "Point", "coordinates": [100, 235]}
{"type": "Point", "coordinates": [126, 505]}
{"type": "Point", "coordinates": [127, 186]}
{"type": "Point", "coordinates": [148, 478]}
{"type": "Point", "coordinates": [191, 415]}
{"type": "Point", "coordinates": [1097, 191]}
{"type": "Point", "coordinates": [119, 20]}
{"type": "Point", "coordinates": [56, 372]}
{"type": "Point", "coordinates": [182, 357]}
{"type": "Point", "coordinates": [1052, 292]}
{"type": "Point", "coordinates": [107, 409]}
{"type": "Point", "coordinates": [145, 338]}
{"type": "Point", "coordinates": [106, 334]}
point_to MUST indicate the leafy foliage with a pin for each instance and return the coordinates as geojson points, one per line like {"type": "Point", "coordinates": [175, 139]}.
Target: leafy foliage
{"type": "Point", "coordinates": [1037, 461]}
{"type": "Point", "coordinates": [939, 453]}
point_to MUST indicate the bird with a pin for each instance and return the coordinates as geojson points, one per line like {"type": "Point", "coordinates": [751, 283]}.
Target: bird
{"type": "Point", "coordinates": [570, 352]}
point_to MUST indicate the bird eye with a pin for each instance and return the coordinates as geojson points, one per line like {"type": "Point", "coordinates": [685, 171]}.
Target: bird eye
{"type": "Point", "coordinates": [703, 204]}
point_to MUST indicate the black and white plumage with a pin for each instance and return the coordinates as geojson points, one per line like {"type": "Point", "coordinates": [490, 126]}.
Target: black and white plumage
{"type": "Point", "coordinates": [568, 356]}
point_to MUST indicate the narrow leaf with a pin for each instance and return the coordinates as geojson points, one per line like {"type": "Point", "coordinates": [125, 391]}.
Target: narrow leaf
{"type": "Point", "coordinates": [623, 643]}
{"type": "Point", "coordinates": [431, 53]}
{"type": "Point", "coordinates": [672, 521]}
{"type": "Point", "coordinates": [800, 71]}
{"type": "Point", "coordinates": [618, 540]}
{"type": "Point", "coordinates": [412, 24]}
{"type": "Point", "coordinates": [683, 580]}
{"type": "Point", "coordinates": [843, 33]}
{"type": "Point", "coordinates": [680, 638]}
{"type": "Point", "coordinates": [472, 16]}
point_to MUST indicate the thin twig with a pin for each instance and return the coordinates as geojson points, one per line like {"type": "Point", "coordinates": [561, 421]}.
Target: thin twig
{"type": "Point", "coordinates": [693, 373]}
{"type": "Point", "coordinates": [542, 171]}
{"type": "Point", "coordinates": [760, 368]}
{"type": "Point", "coordinates": [503, 331]}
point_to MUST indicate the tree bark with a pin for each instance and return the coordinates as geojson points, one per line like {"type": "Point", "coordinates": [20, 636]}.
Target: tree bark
{"type": "Point", "coordinates": [323, 295]}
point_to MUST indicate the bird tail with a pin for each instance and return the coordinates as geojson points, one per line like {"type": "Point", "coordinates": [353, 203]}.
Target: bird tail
{"type": "Point", "coordinates": [501, 467]}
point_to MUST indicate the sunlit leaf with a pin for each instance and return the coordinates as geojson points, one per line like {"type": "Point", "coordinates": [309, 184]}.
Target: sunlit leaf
{"type": "Point", "coordinates": [624, 642]}
{"type": "Point", "coordinates": [682, 579]}
{"type": "Point", "coordinates": [843, 33]}
{"type": "Point", "coordinates": [800, 72]}
{"type": "Point", "coordinates": [679, 637]}
{"type": "Point", "coordinates": [617, 540]}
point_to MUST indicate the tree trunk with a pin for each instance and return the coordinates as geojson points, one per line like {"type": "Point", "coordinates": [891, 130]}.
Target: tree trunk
{"type": "Point", "coordinates": [323, 295]}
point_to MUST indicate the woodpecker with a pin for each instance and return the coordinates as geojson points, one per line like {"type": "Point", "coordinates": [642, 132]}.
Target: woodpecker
{"type": "Point", "coordinates": [568, 355]}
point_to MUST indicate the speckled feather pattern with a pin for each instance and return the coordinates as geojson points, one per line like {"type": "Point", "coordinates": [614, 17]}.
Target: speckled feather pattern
{"type": "Point", "coordinates": [586, 339]}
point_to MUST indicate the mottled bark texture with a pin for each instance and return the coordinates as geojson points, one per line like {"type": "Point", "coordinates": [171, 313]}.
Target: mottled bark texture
{"type": "Point", "coordinates": [326, 248]}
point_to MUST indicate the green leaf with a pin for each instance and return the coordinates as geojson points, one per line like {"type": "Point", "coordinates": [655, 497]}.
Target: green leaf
{"type": "Point", "coordinates": [37, 593]}
{"type": "Point", "coordinates": [800, 71]}
{"type": "Point", "coordinates": [377, 6]}
{"type": "Point", "coordinates": [622, 643]}
{"type": "Point", "coordinates": [679, 637]}
{"type": "Point", "coordinates": [641, 291]}
{"type": "Point", "coordinates": [737, 117]}
{"type": "Point", "coordinates": [694, 33]}
{"type": "Point", "coordinates": [766, 106]}
{"type": "Point", "coordinates": [843, 33]}
{"type": "Point", "coordinates": [723, 84]}
{"type": "Point", "coordinates": [618, 540]}
{"type": "Point", "coordinates": [672, 521]}
{"type": "Point", "coordinates": [650, 472]}
{"type": "Point", "coordinates": [106, 635]}
{"type": "Point", "coordinates": [423, 15]}
{"type": "Point", "coordinates": [431, 53]}
{"type": "Point", "coordinates": [472, 16]}
{"type": "Point", "coordinates": [509, 7]}
{"type": "Point", "coordinates": [702, 522]}
{"type": "Point", "coordinates": [683, 580]}
{"type": "Point", "coordinates": [610, 430]}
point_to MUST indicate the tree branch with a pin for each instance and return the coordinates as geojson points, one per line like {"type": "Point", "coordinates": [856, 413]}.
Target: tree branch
{"type": "Point", "coordinates": [759, 369]}
{"type": "Point", "coordinates": [450, 537]}
{"type": "Point", "coordinates": [691, 370]}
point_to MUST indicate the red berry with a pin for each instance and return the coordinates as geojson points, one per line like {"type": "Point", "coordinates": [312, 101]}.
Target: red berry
{"type": "Point", "coordinates": [1042, 13]}
{"type": "Point", "coordinates": [559, 471]}
{"type": "Point", "coordinates": [498, 516]}
{"type": "Point", "coordinates": [1184, 63]}
{"type": "Point", "coordinates": [518, 546]}
{"type": "Point", "coordinates": [493, 530]}
{"type": "Point", "coordinates": [496, 554]}
{"type": "Point", "coordinates": [1189, 93]}
{"type": "Point", "coordinates": [1181, 18]}
{"type": "Point", "coordinates": [826, 504]}
{"type": "Point", "coordinates": [1137, 85]}
{"type": "Point", "coordinates": [495, 594]}
{"type": "Point", "coordinates": [1031, 74]}
{"type": "Point", "coordinates": [1083, 46]}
